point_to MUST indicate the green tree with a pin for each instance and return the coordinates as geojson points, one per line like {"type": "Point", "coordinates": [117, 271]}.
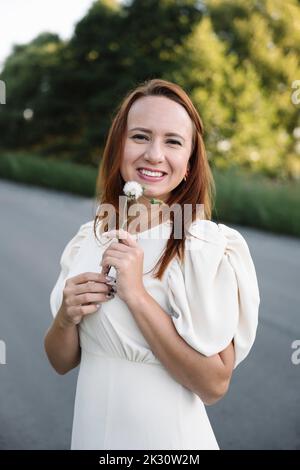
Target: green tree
{"type": "Point", "coordinates": [27, 73]}
{"type": "Point", "coordinates": [115, 47]}
{"type": "Point", "coordinates": [266, 34]}
{"type": "Point", "coordinates": [237, 116]}
{"type": "Point", "coordinates": [237, 60]}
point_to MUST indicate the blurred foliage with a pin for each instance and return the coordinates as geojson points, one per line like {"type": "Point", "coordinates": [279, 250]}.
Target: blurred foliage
{"type": "Point", "coordinates": [48, 173]}
{"type": "Point", "coordinates": [242, 198]}
{"type": "Point", "coordinates": [237, 60]}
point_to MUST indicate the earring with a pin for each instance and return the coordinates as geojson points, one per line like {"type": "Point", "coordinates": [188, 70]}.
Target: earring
{"type": "Point", "coordinates": [186, 175]}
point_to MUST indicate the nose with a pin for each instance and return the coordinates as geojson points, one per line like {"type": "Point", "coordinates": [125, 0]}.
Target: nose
{"type": "Point", "coordinates": [154, 152]}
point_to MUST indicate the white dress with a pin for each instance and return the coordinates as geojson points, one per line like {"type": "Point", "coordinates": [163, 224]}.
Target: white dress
{"type": "Point", "coordinates": [125, 397]}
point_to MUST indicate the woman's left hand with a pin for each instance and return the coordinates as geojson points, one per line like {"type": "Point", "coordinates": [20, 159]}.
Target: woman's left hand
{"type": "Point", "coordinates": [127, 258]}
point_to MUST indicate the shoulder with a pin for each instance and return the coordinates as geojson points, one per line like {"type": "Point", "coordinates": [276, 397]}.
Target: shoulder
{"type": "Point", "coordinates": [214, 233]}
{"type": "Point", "coordinates": [83, 231]}
{"type": "Point", "coordinates": [86, 227]}
{"type": "Point", "coordinates": [74, 244]}
{"type": "Point", "coordinates": [214, 243]}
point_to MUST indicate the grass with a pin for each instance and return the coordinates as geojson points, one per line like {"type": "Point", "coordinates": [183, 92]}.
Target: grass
{"type": "Point", "coordinates": [62, 176]}
{"type": "Point", "coordinates": [258, 202]}
{"type": "Point", "coordinates": [241, 198]}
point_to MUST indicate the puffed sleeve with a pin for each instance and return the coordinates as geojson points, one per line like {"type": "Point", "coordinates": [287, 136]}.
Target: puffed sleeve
{"type": "Point", "coordinates": [67, 258]}
{"type": "Point", "coordinates": [214, 294]}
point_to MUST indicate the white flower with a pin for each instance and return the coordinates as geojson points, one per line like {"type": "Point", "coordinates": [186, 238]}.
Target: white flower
{"type": "Point", "coordinates": [133, 190]}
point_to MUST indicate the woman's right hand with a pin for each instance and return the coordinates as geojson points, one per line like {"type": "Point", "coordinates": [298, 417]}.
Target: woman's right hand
{"type": "Point", "coordinates": [82, 295]}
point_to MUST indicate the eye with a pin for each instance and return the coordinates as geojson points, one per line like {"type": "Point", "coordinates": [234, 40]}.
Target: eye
{"type": "Point", "coordinates": [174, 142]}
{"type": "Point", "coordinates": [138, 136]}
{"type": "Point", "coordinates": [141, 136]}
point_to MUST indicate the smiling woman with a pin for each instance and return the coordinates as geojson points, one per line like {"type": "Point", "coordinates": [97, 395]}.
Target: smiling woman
{"type": "Point", "coordinates": [163, 341]}
{"type": "Point", "coordinates": [152, 155]}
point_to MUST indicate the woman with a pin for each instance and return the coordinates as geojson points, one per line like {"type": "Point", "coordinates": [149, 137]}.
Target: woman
{"type": "Point", "coordinates": [163, 344]}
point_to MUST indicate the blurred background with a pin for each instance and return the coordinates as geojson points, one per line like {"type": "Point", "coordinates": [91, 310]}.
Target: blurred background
{"type": "Point", "coordinates": [64, 67]}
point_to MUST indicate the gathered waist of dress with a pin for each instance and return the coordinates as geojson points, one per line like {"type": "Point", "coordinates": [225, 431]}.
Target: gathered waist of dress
{"type": "Point", "coordinates": [105, 355]}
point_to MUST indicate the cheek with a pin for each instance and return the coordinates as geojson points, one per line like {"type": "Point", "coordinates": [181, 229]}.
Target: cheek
{"type": "Point", "coordinates": [128, 157]}
{"type": "Point", "coordinates": [128, 161]}
{"type": "Point", "coordinates": [178, 163]}
{"type": "Point", "coordinates": [131, 152]}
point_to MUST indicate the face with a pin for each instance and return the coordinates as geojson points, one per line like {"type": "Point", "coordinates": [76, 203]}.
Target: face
{"type": "Point", "coordinates": [158, 138]}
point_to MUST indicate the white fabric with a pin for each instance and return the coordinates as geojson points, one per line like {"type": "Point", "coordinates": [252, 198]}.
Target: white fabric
{"type": "Point", "coordinates": [67, 258]}
{"type": "Point", "coordinates": [215, 297]}
{"type": "Point", "coordinates": [125, 398]}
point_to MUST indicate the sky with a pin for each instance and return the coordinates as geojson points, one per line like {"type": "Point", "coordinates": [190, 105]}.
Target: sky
{"type": "Point", "coordinates": [22, 20]}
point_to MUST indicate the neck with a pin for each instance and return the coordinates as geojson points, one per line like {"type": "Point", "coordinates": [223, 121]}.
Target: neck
{"type": "Point", "coordinates": [146, 213]}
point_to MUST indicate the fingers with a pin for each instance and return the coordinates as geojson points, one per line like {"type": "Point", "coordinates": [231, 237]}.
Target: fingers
{"type": "Point", "coordinates": [82, 310]}
{"type": "Point", "coordinates": [86, 277]}
{"type": "Point", "coordinates": [85, 299]}
{"type": "Point", "coordinates": [92, 287]}
{"type": "Point", "coordinates": [115, 253]}
{"type": "Point", "coordinates": [123, 235]}
{"type": "Point", "coordinates": [84, 294]}
{"type": "Point", "coordinates": [111, 261]}
{"type": "Point", "coordinates": [121, 247]}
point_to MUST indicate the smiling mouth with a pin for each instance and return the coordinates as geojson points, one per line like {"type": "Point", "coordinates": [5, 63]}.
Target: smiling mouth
{"type": "Point", "coordinates": [154, 173]}
{"type": "Point", "coordinates": [155, 178]}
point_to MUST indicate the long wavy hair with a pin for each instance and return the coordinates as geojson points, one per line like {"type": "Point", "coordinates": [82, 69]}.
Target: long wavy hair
{"type": "Point", "coordinates": [198, 188]}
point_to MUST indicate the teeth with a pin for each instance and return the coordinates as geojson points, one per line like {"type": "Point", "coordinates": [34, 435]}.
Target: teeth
{"type": "Point", "coordinates": [151, 173]}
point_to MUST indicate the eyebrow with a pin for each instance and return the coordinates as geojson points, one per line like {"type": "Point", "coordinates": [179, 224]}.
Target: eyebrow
{"type": "Point", "coordinates": [168, 134]}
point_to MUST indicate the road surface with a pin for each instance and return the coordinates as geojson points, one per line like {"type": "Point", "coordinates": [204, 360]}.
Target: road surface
{"type": "Point", "coordinates": [261, 409]}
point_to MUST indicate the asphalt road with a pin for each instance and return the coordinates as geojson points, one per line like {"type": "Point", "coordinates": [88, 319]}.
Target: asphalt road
{"type": "Point", "coordinates": [261, 409]}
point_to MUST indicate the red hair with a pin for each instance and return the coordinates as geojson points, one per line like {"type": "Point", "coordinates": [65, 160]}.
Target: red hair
{"type": "Point", "coordinates": [199, 187]}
